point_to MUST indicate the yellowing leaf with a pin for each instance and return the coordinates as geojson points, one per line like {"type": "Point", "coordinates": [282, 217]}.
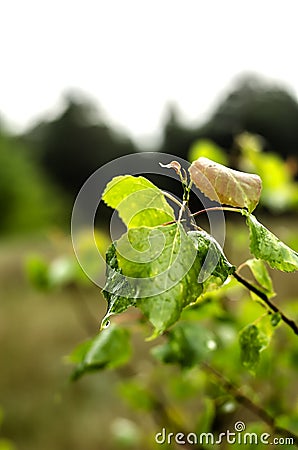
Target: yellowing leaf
{"type": "Point", "coordinates": [226, 186]}
{"type": "Point", "coordinates": [260, 272]}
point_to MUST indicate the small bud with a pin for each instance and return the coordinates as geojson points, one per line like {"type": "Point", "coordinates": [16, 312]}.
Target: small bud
{"type": "Point", "coordinates": [172, 165]}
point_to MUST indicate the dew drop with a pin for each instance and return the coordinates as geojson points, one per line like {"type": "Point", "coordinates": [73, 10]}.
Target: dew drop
{"type": "Point", "coordinates": [106, 324]}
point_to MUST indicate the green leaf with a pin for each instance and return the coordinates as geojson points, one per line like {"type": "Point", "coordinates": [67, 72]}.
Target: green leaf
{"type": "Point", "coordinates": [115, 283]}
{"type": "Point", "coordinates": [215, 268]}
{"type": "Point", "coordinates": [265, 245]}
{"type": "Point", "coordinates": [161, 271]}
{"type": "Point", "coordinates": [109, 349]}
{"type": "Point", "coordinates": [255, 338]}
{"type": "Point", "coordinates": [162, 267]}
{"type": "Point", "coordinates": [261, 275]}
{"type": "Point", "coordinates": [138, 201]}
{"type": "Point", "coordinates": [188, 344]}
{"type": "Point", "coordinates": [226, 185]}
{"type": "Point", "coordinates": [252, 342]}
{"type": "Point", "coordinates": [38, 273]}
{"type": "Point", "coordinates": [137, 395]}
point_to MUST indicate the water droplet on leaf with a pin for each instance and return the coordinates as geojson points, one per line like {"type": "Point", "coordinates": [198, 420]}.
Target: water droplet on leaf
{"type": "Point", "coordinates": [106, 324]}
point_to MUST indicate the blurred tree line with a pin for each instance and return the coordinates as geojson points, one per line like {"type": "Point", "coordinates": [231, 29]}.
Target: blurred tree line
{"type": "Point", "coordinates": [42, 171]}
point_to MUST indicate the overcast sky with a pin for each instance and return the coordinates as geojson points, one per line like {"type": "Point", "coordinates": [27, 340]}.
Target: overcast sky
{"type": "Point", "coordinates": [133, 56]}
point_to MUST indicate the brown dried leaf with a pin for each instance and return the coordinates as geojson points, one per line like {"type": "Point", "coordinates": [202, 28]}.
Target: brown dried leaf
{"type": "Point", "coordinates": [225, 185]}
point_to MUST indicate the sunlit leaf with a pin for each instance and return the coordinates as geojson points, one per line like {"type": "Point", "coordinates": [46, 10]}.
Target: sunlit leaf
{"type": "Point", "coordinates": [265, 245]}
{"type": "Point", "coordinates": [225, 185]}
{"type": "Point", "coordinates": [138, 201]}
{"type": "Point", "coordinates": [208, 149]}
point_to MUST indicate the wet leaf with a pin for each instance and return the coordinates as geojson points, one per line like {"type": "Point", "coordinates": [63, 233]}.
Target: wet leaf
{"type": "Point", "coordinates": [215, 268]}
{"type": "Point", "coordinates": [162, 267]}
{"type": "Point", "coordinates": [265, 245]}
{"type": "Point", "coordinates": [115, 283]}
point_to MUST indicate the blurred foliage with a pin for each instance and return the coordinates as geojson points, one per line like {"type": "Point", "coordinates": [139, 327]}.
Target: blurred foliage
{"type": "Point", "coordinates": [208, 149]}
{"type": "Point", "coordinates": [279, 188]}
{"type": "Point", "coordinates": [252, 105]}
{"type": "Point", "coordinates": [27, 200]}
{"type": "Point", "coordinates": [280, 191]}
{"type": "Point", "coordinates": [64, 270]}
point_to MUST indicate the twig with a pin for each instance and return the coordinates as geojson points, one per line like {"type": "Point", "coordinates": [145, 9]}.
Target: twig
{"type": "Point", "coordinates": [171, 197]}
{"type": "Point", "coordinates": [249, 404]}
{"type": "Point", "coordinates": [216, 208]}
{"type": "Point", "coordinates": [266, 300]}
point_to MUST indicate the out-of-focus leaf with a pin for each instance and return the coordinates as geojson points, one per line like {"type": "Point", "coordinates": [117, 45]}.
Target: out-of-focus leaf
{"type": "Point", "coordinates": [187, 344]}
{"type": "Point", "coordinates": [265, 245]}
{"type": "Point", "coordinates": [126, 433]}
{"type": "Point", "coordinates": [79, 352]}
{"type": "Point", "coordinates": [255, 338]}
{"type": "Point", "coordinates": [38, 272]}
{"type": "Point", "coordinates": [109, 349]}
{"type": "Point", "coordinates": [280, 191]}
{"type": "Point", "coordinates": [137, 395]}
{"type": "Point", "coordinates": [138, 201]}
{"type": "Point", "coordinates": [252, 342]}
{"type": "Point", "coordinates": [226, 185]}
{"type": "Point", "coordinates": [207, 149]}
{"type": "Point", "coordinates": [262, 276]}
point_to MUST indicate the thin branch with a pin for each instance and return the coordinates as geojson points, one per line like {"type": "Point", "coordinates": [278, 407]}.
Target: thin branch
{"type": "Point", "coordinates": [249, 404]}
{"type": "Point", "coordinates": [216, 208]}
{"type": "Point", "coordinates": [171, 197]}
{"type": "Point", "coordinates": [268, 302]}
